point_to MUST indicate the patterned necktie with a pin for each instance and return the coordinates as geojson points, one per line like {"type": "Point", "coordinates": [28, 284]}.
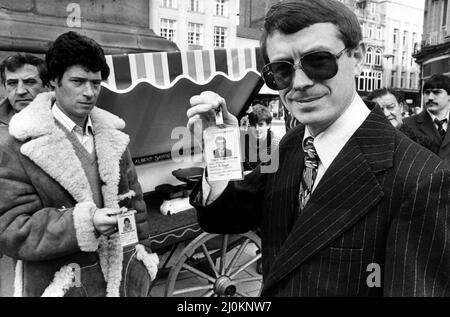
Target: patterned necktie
{"type": "Point", "coordinates": [309, 171]}
{"type": "Point", "coordinates": [440, 124]}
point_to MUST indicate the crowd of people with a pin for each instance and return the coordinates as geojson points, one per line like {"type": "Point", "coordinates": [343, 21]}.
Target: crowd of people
{"type": "Point", "coordinates": [358, 186]}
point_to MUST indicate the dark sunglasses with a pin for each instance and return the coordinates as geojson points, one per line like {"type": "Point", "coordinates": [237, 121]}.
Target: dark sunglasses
{"type": "Point", "coordinates": [316, 65]}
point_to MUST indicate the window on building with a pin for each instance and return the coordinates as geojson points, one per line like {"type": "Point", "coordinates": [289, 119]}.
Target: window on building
{"type": "Point", "coordinates": [405, 37]}
{"type": "Point", "coordinates": [411, 80]}
{"type": "Point", "coordinates": [195, 33]}
{"type": "Point", "coordinates": [370, 33]}
{"type": "Point", "coordinates": [221, 8]}
{"type": "Point", "coordinates": [379, 33]}
{"type": "Point", "coordinates": [414, 39]}
{"type": "Point", "coordinates": [403, 58]}
{"type": "Point", "coordinates": [362, 81]}
{"type": "Point", "coordinates": [378, 80]}
{"type": "Point", "coordinates": [220, 36]}
{"type": "Point", "coordinates": [168, 29]}
{"type": "Point", "coordinates": [393, 78]}
{"type": "Point", "coordinates": [369, 80]}
{"type": "Point", "coordinates": [196, 5]}
{"type": "Point", "coordinates": [169, 4]}
{"type": "Point", "coordinates": [369, 56]}
{"type": "Point", "coordinates": [373, 8]}
{"type": "Point", "coordinates": [378, 54]}
{"type": "Point", "coordinates": [403, 80]}
{"type": "Point", "coordinates": [395, 36]}
{"type": "Point", "coordinates": [444, 13]}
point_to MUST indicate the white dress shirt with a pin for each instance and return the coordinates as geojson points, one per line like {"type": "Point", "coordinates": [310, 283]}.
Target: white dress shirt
{"type": "Point", "coordinates": [330, 142]}
{"type": "Point", "coordinates": [444, 125]}
{"type": "Point", "coordinates": [86, 136]}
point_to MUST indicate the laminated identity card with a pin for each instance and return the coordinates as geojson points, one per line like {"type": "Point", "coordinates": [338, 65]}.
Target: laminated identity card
{"type": "Point", "coordinates": [127, 228]}
{"type": "Point", "coordinates": [223, 153]}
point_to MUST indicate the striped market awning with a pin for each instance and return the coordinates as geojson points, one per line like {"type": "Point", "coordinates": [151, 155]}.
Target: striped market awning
{"type": "Point", "coordinates": [164, 69]}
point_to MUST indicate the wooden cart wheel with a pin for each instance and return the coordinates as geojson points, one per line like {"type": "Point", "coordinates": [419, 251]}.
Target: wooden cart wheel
{"type": "Point", "coordinates": [221, 272]}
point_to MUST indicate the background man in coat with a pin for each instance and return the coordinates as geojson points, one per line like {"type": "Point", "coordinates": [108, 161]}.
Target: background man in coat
{"type": "Point", "coordinates": [65, 173]}
{"type": "Point", "coordinates": [23, 76]}
{"type": "Point", "coordinates": [355, 208]}
{"type": "Point", "coordinates": [429, 127]}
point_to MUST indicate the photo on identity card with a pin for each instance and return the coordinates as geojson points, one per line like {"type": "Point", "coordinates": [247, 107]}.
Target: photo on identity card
{"type": "Point", "coordinates": [222, 153]}
{"type": "Point", "coordinates": [127, 228]}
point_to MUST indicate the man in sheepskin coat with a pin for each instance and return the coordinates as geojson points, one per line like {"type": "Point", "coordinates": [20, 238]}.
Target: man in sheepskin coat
{"type": "Point", "coordinates": [65, 173]}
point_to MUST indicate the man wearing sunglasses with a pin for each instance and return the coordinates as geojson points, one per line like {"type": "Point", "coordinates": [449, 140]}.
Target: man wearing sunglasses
{"type": "Point", "coordinates": [355, 208]}
{"type": "Point", "coordinates": [429, 127]}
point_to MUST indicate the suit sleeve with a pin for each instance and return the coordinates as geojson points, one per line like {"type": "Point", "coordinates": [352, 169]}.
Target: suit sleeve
{"type": "Point", "coordinates": [133, 199]}
{"type": "Point", "coordinates": [418, 246]}
{"type": "Point", "coordinates": [31, 231]}
{"type": "Point", "coordinates": [238, 209]}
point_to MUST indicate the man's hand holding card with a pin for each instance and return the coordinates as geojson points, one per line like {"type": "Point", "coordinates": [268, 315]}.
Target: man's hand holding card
{"type": "Point", "coordinates": [218, 131]}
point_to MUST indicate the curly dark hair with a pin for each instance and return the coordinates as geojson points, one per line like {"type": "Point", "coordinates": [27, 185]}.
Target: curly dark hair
{"type": "Point", "coordinates": [18, 60]}
{"type": "Point", "coordinates": [71, 49]}
{"type": "Point", "coordinates": [289, 17]}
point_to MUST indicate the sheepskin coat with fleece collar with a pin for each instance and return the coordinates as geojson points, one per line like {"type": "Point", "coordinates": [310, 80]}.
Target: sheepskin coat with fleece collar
{"type": "Point", "coordinates": [46, 204]}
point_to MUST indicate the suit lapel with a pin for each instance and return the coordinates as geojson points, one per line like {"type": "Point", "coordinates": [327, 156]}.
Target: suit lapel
{"type": "Point", "coordinates": [287, 185]}
{"type": "Point", "coordinates": [347, 191]}
{"type": "Point", "coordinates": [427, 127]}
{"type": "Point", "coordinates": [446, 139]}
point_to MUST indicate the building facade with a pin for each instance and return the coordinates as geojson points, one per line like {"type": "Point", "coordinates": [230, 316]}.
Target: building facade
{"type": "Point", "coordinates": [373, 26]}
{"type": "Point", "coordinates": [434, 55]}
{"type": "Point", "coordinates": [251, 21]}
{"type": "Point", "coordinates": [403, 34]}
{"type": "Point", "coordinates": [391, 34]}
{"type": "Point", "coordinates": [195, 24]}
{"type": "Point", "coordinates": [120, 26]}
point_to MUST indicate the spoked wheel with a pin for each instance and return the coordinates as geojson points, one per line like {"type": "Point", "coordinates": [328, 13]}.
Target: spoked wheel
{"type": "Point", "coordinates": [219, 271]}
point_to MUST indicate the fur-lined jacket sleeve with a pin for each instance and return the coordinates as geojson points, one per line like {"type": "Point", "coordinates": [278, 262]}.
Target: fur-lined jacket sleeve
{"type": "Point", "coordinates": [28, 230]}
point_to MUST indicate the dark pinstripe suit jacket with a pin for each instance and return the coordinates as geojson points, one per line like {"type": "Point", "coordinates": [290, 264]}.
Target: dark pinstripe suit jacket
{"type": "Point", "coordinates": [383, 200]}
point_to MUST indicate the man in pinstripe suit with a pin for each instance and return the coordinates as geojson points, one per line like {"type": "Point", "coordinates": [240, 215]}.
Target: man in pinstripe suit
{"type": "Point", "coordinates": [377, 219]}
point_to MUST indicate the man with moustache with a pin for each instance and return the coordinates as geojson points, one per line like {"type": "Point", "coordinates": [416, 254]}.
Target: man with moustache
{"type": "Point", "coordinates": [23, 76]}
{"type": "Point", "coordinates": [429, 128]}
{"type": "Point", "coordinates": [355, 208]}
